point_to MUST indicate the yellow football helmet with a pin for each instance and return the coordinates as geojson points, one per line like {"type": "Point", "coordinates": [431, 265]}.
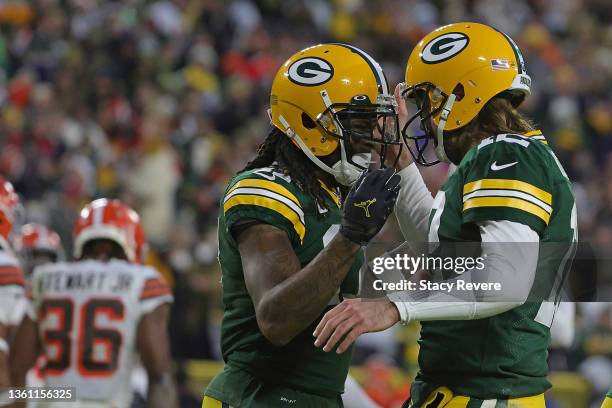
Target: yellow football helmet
{"type": "Point", "coordinates": [453, 72]}
{"type": "Point", "coordinates": [329, 94]}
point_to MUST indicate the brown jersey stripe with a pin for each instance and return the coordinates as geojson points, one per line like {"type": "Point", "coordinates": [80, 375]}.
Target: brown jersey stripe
{"type": "Point", "coordinates": [17, 280]}
{"type": "Point", "coordinates": [155, 293]}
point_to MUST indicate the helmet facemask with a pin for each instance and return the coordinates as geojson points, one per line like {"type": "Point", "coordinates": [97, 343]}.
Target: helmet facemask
{"type": "Point", "coordinates": [429, 101]}
{"type": "Point", "coordinates": [359, 120]}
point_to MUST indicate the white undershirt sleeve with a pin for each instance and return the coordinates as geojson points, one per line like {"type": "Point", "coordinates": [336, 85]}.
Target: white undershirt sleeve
{"type": "Point", "coordinates": [512, 257]}
{"type": "Point", "coordinates": [563, 328]}
{"type": "Point", "coordinates": [413, 205]}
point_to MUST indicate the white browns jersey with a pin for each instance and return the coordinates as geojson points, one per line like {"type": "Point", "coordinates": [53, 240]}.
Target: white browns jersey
{"type": "Point", "coordinates": [13, 302]}
{"type": "Point", "coordinates": [88, 314]}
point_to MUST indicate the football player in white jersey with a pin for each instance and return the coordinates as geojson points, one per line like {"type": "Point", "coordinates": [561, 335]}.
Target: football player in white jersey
{"type": "Point", "coordinates": [12, 296]}
{"type": "Point", "coordinates": [36, 245]}
{"type": "Point", "coordinates": [91, 316]}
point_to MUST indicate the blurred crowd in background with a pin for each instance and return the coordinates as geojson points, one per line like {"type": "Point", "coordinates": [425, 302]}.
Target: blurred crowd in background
{"type": "Point", "coordinates": [159, 103]}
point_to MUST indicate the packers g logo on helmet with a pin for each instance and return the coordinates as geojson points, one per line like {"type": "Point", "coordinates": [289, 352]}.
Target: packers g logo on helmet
{"type": "Point", "coordinates": [444, 47]}
{"type": "Point", "coordinates": [310, 71]}
{"type": "Point", "coordinates": [327, 97]}
{"type": "Point", "coordinates": [451, 74]}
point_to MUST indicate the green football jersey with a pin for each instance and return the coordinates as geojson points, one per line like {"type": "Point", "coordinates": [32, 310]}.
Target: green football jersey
{"type": "Point", "coordinates": [267, 195]}
{"type": "Point", "coordinates": [506, 177]}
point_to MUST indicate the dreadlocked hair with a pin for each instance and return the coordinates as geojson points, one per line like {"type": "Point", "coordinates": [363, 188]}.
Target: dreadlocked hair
{"type": "Point", "coordinates": [278, 149]}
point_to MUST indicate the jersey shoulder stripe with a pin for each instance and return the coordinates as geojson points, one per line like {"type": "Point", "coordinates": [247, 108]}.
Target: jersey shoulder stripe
{"type": "Point", "coordinates": [269, 195]}
{"type": "Point", "coordinates": [516, 203]}
{"type": "Point", "coordinates": [154, 287]}
{"type": "Point", "coordinates": [266, 185]}
{"type": "Point", "coordinates": [271, 204]}
{"type": "Point", "coordinates": [11, 275]}
{"type": "Point", "coordinates": [508, 185]}
{"type": "Point", "coordinates": [508, 193]}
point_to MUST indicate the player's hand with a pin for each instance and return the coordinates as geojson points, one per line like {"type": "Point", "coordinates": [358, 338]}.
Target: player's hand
{"type": "Point", "coordinates": [351, 318]}
{"type": "Point", "coordinates": [368, 204]}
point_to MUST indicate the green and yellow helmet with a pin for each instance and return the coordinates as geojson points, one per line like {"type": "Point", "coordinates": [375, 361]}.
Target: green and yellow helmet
{"type": "Point", "coordinates": [326, 95]}
{"type": "Point", "coordinates": [453, 72]}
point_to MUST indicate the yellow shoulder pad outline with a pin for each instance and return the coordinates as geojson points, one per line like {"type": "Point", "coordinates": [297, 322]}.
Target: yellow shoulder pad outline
{"type": "Point", "coordinates": [270, 195]}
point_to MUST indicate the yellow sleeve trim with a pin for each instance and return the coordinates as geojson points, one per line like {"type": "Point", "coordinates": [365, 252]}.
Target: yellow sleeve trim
{"type": "Point", "coordinates": [271, 204]}
{"type": "Point", "coordinates": [268, 185]}
{"type": "Point", "coordinates": [479, 202]}
{"type": "Point", "coordinates": [508, 185]}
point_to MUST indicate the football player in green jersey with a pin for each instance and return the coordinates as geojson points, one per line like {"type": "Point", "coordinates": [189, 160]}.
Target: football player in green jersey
{"type": "Point", "coordinates": [508, 191]}
{"type": "Point", "coordinates": [287, 252]}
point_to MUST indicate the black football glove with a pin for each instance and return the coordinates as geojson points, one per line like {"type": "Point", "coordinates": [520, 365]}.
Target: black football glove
{"type": "Point", "coordinates": [368, 204]}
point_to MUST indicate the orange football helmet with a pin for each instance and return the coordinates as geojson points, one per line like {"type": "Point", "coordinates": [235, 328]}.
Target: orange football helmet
{"type": "Point", "coordinates": [9, 201]}
{"type": "Point", "coordinates": [112, 220]}
{"type": "Point", "coordinates": [37, 237]}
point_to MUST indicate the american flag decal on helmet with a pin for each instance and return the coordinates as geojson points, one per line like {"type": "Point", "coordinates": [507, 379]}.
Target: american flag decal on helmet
{"type": "Point", "coordinates": [499, 64]}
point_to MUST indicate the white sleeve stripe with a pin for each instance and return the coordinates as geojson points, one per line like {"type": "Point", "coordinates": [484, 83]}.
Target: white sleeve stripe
{"type": "Point", "coordinates": [509, 193]}
{"type": "Point", "coordinates": [269, 194]}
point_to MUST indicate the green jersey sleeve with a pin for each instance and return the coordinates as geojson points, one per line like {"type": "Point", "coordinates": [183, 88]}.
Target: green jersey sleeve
{"type": "Point", "coordinates": [506, 178]}
{"type": "Point", "coordinates": [269, 199]}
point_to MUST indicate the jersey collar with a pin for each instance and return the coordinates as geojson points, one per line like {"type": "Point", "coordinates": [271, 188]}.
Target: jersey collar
{"type": "Point", "coordinates": [334, 194]}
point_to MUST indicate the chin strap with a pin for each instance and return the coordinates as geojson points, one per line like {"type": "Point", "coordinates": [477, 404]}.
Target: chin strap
{"type": "Point", "coordinates": [440, 153]}
{"type": "Point", "coordinates": [297, 139]}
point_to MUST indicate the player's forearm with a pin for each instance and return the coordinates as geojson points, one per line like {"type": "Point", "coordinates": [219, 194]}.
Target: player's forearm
{"type": "Point", "coordinates": [504, 281]}
{"type": "Point", "coordinates": [162, 392]}
{"type": "Point", "coordinates": [5, 376]}
{"type": "Point", "coordinates": [4, 370]}
{"type": "Point", "coordinates": [4, 366]}
{"type": "Point", "coordinates": [24, 351]}
{"type": "Point", "coordinates": [292, 305]}
{"type": "Point", "coordinates": [413, 205]}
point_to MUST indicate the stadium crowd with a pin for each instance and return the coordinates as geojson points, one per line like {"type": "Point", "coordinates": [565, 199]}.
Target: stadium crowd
{"type": "Point", "coordinates": [159, 103]}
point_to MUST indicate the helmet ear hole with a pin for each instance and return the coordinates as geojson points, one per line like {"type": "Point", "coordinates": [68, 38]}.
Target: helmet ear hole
{"type": "Point", "coordinates": [459, 92]}
{"type": "Point", "coordinates": [307, 122]}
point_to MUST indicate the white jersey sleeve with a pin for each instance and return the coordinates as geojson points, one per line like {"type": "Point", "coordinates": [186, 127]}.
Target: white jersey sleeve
{"type": "Point", "coordinates": [12, 293]}
{"type": "Point", "coordinates": [413, 205]}
{"type": "Point", "coordinates": [88, 314]}
{"type": "Point", "coordinates": [154, 292]}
